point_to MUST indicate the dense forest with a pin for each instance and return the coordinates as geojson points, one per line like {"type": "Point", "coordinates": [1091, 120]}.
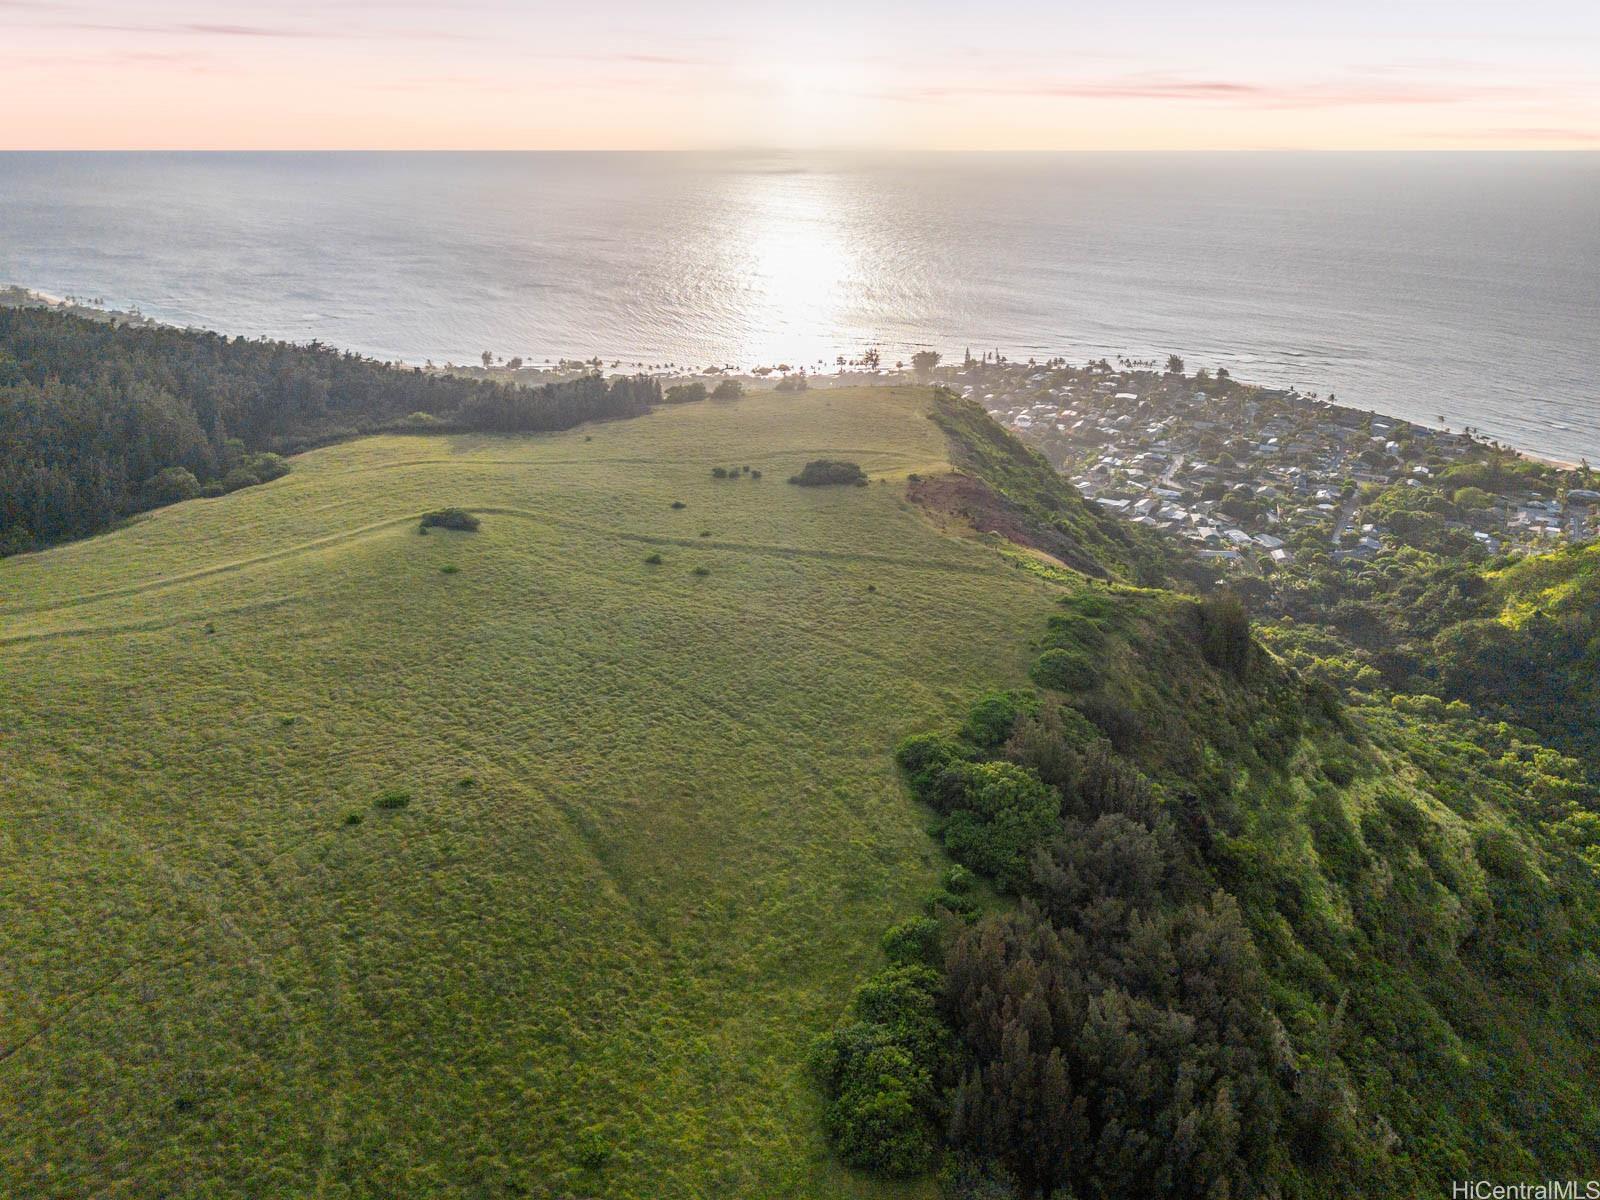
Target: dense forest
{"type": "Point", "coordinates": [98, 422]}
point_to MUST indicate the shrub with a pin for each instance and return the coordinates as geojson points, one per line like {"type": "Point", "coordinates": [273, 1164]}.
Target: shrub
{"type": "Point", "coordinates": [992, 716]}
{"type": "Point", "coordinates": [924, 756]}
{"type": "Point", "coordinates": [821, 472]}
{"type": "Point", "coordinates": [450, 518]}
{"type": "Point", "coordinates": [449, 569]}
{"type": "Point", "coordinates": [237, 479]}
{"type": "Point", "coordinates": [913, 943]}
{"type": "Point", "coordinates": [1064, 671]}
{"type": "Point", "coordinates": [685, 393]}
{"type": "Point", "coordinates": [756, 474]}
{"type": "Point", "coordinates": [958, 879]}
{"type": "Point", "coordinates": [267, 466]}
{"type": "Point", "coordinates": [170, 485]}
{"type": "Point", "coordinates": [353, 818]}
{"type": "Point", "coordinates": [1005, 814]}
{"type": "Point", "coordinates": [654, 560]}
{"type": "Point", "coordinates": [878, 1119]}
{"type": "Point", "coordinates": [953, 903]}
{"type": "Point", "coordinates": [878, 1073]}
{"type": "Point", "coordinates": [1121, 723]}
{"type": "Point", "coordinates": [1047, 741]}
{"type": "Point", "coordinates": [679, 504]}
{"type": "Point", "coordinates": [728, 389]}
{"type": "Point", "coordinates": [702, 571]}
{"type": "Point", "coordinates": [719, 472]}
{"type": "Point", "coordinates": [794, 383]}
{"type": "Point", "coordinates": [592, 1149]}
{"type": "Point", "coordinates": [903, 1002]}
{"type": "Point", "coordinates": [948, 789]}
{"type": "Point", "coordinates": [392, 799]}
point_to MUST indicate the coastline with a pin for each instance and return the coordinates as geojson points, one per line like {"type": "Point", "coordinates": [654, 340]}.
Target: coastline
{"type": "Point", "coordinates": [854, 375]}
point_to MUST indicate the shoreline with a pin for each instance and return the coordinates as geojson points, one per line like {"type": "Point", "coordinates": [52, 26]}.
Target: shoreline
{"type": "Point", "coordinates": [850, 375]}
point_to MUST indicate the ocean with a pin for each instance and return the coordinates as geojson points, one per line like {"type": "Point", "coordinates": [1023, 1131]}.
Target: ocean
{"type": "Point", "coordinates": [1455, 287]}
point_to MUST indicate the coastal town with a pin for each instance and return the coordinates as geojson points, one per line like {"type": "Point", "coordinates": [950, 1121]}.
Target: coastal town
{"type": "Point", "coordinates": [1258, 478]}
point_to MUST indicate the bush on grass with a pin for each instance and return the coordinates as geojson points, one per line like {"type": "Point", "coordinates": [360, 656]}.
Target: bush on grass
{"type": "Point", "coordinates": [450, 518]}
{"type": "Point", "coordinates": [822, 472]}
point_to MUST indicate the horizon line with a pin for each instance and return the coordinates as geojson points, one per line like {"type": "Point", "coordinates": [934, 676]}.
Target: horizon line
{"type": "Point", "coordinates": [991, 152]}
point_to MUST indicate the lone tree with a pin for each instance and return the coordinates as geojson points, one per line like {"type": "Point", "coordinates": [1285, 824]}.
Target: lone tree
{"type": "Point", "coordinates": [488, 360]}
{"type": "Point", "coordinates": [1174, 365]}
{"type": "Point", "coordinates": [923, 362]}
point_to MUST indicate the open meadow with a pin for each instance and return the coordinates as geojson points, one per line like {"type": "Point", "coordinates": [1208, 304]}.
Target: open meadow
{"type": "Point", "coordinates": [341, 861]}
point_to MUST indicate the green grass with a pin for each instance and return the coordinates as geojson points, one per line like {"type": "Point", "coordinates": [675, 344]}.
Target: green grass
{"type": "Point", "coordinates": [593, 970]}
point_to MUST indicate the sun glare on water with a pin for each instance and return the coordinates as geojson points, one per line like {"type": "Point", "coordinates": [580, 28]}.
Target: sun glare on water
{"type": "Point", "coordinates": [795, 265]}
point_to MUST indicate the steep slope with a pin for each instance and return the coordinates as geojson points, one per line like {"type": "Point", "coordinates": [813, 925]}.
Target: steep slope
{"type": "Point", "coordinates": [1003, 488]}
{"type": "Point", "coordinates": [1265, 944]}
{"type": "Point", "coordinates": [1427, 935]}
{"type": "Point", "coordinates": [330, 872]}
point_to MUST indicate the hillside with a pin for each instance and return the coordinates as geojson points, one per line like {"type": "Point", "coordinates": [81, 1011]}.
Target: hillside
{"type": "Point", "coordinates": [653, 824]}
{"type": "Point", "coordinates": [1424, 927]}
{"type": "Point", "coordinates": [542, 859]}
{"type": "Point", "coordinates": [1533, 656]}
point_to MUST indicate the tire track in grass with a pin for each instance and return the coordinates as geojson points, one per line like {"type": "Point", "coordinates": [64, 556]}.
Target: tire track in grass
{"type": "Point", "coordinates": [151, 626]}
{"type": "Point", "coordinates": [550, 520]}
{"type": "Point", "coordinates": [226, 568]}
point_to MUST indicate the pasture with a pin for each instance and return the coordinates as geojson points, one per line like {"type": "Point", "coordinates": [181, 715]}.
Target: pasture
{"type": "Point", "coordinates": [649, 837]}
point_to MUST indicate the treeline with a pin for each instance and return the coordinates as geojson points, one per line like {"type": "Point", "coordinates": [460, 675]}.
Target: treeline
{"type": "Point", "coordinates": [98, 421]}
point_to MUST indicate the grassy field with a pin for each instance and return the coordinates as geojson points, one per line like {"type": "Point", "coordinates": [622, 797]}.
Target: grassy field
{"type": "Point", "coordinates": [653, 829]}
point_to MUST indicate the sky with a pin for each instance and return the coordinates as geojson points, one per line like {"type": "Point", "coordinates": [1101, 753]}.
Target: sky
{"type": "Point", "coordinates": [869, 74]}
